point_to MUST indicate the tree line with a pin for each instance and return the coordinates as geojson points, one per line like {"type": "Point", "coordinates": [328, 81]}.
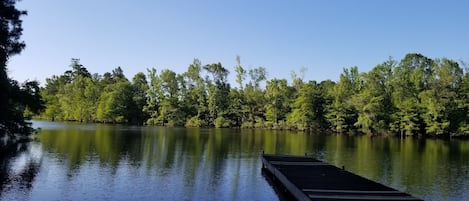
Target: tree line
{"type": "Point", "coordinates": [416, 95]}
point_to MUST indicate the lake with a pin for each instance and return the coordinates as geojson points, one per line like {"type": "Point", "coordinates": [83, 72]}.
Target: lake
{"type": "Point", "coordinates": [71, 161]}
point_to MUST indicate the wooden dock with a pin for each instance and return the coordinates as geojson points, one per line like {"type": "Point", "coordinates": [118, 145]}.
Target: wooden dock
{"type": "Point", "coordinates": [306, 178]}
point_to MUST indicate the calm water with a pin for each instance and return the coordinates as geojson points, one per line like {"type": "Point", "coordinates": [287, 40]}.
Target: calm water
{"type": "Point", "coordinates": [109, 162]}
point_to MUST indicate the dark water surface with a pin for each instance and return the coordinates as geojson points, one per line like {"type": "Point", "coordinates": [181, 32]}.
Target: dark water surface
{"type": "Point", "coordinates": [114, 162]}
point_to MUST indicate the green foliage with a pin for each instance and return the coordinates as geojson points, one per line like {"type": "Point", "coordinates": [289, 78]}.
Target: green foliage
{"type": "Point", "coordinates": [218, 91]}
{"type": "Point", "coordinates": [341, 114]}
{"type": "Point", "coordinates": [303, 111]}
{"type": "Point", "coordinates": [17, 101]}
{"type": "Point", "coordinates": [195, 98]}
{"type": "Point", "coordinates": [222, 122]}
{"type": "Point", "coordinates": [139, 97]}
{"type": "Point", "coordinates": [254, 99]}
{"type": "Point", "coordinates": [79, 96]}
{"type": "Point", "coordinates": [373, 102]}
{"type": "Point", "coordinates": [240, 73]}
{"type": "Point", "coordinates": [277, 102]}
{"type": "Point", "coordinates": [154, 95]}
{"type": "Point", "coordinates": [236, 112]}
{"type": "Point", "coordinates": [194, 122]}
{"type": "Point", "coordinates": [416, 95]}
{"type": "Point", "coordinates": [115, 104]}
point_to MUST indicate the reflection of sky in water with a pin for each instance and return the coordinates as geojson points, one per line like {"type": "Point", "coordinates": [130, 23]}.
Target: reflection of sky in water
{"type": "Point", "coordinates": [62, 125]}
{"type": "Point", "coordinates": [106, 162]}
{"type": "Point", "coordinates": [126, 182]}
{"type": "Point", "coordinates": [32, 155]}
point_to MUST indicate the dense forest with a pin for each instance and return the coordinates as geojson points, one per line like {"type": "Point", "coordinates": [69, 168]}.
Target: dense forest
{"type": "Point", "coordinates": [416, 95]}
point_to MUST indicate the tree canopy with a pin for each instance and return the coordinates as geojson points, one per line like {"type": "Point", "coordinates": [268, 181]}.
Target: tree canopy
{"type": "Point", "coordinates": [414, 96]}
{"type": "Point", "coordinates": [16, 99]}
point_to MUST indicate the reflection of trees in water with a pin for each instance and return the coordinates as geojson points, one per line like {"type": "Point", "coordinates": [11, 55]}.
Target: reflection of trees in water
{"type": "Point", "coordinates": [21, 177]}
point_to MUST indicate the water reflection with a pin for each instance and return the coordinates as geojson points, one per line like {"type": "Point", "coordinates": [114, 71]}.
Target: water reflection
{"type": "Point", "coordinates": [103, 162]}
{"type": "Point", "coordinates": [18, 168]}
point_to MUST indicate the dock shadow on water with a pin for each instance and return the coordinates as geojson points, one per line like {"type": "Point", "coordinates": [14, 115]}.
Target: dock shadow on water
{"type": "Point", "coordinates": [282, 193]}
{"type": "Point", "coordinates": [115, 162]}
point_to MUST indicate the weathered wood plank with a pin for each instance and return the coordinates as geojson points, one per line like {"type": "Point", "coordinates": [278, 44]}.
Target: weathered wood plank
{"type": "Point", "coordinates": [348, 191]}
{"type": "Point", "coordinates": [309, 179]}
{"type": "Point", "coordinates": [297, 163]}
{"type": "Point", "coordinates": [361, 197]}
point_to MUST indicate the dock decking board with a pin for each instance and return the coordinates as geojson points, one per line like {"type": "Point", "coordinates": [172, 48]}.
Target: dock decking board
{"type": "Point", "coordinates": [309, 179]}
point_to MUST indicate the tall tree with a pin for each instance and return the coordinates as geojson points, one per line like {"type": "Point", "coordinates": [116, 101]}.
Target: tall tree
{"type": "Point", "coordinates": [277, 102]}
{"type": "Point", "coordinates": [14, 98]}
{"type": "Point", "coordinates": [139, 89]}
{"type": "Point", "coordinates": [460, 119]}
{"type": "Point", "coordinates": [197, 96]}
{"type": "Point", "coordinates": [169, 99]}
{"type": "Point", "coordinates": [218, 90]}
{"type": "Point", "coordinates": [298, 79]}
{"type": "Point", "coordinates": [10, 45]}
{"type": "Point", "coordinates": [240, 73]}
{"type": "Point", "coordinates": [50, 95]}
{"type": "Point", "coordinates": [439, 103]}
{"type": "Point", "coordinates": [411, 78]}
{"type": "Point", "coordinates": [374, 102]}
{"type": "Point", "coordinates": [341, 114]}
{"type": "Point", "coordinates": [116, 103]}
{"type": "Point", "coordinates": [154, 97]}
{"type": "Point", "coordinates": [78, 93]}
{"type": "Point", "coordinates": [303, 113]}
{"type": "Point", "coordinates": [257, 76]}
{"type": "Point", "coordinates": [254, 98]}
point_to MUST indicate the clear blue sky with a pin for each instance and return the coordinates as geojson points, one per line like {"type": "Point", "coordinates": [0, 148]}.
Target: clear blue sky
{"type": "Point", "coordinates": [323, 36]}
